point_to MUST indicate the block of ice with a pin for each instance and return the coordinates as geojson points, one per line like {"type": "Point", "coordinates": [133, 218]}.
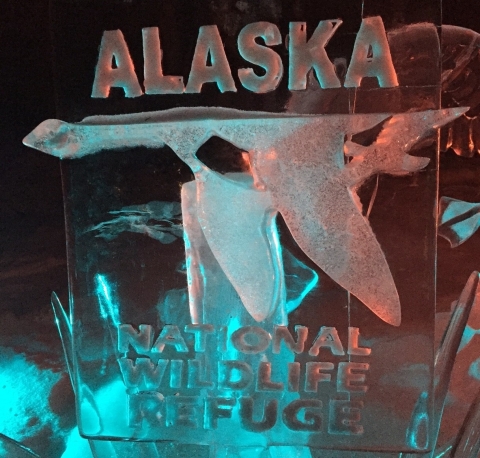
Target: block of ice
{"type": "Point", "coordinates": [297, 162]}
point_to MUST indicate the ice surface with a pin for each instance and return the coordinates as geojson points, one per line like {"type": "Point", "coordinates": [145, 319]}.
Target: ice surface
{"type": "Point", "coordinates": [458, 220]}
{"type": "Point", "coordinates": [25, 413]}
{"type": "Point", "coordinates": [114, 46]}
{"type": "Point", "coordinates": [451, 365]}
{"type": "Point", "coordinates": [460, 87]}
{"type": "Point", "coordinates": [415, 53]}
{"type": "Point", "coordinates": [315, 193]}
{"type": "Point", "coordinates": [215, 287]}
{"type": "Point", "coordinates": [371, 36]}
{"type": "Point", "coordinates": [299, 170]}
{"type": "Point", "coordinates": [238, 221]}
{"type": "Point", "coordinates": [210, 43]}
{"type": "Point", "coordinates": [299, 280]}
{"type": "Point", "coordinates": [226, 224]}
{"type": "Point", "coordinates": [221, 213]}
{"type": "Point", "coordinates": [159, 220]}
{"type": "Point", "coordinates": [388, 153]}
{"type": "Point", "coordinates": [267, 58]}
{"type": "Point", "coordinates": [65, 331]}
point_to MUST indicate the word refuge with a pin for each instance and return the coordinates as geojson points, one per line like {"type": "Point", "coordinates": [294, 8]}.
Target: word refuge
{"type": "Point", "coordinates": [370, 58]}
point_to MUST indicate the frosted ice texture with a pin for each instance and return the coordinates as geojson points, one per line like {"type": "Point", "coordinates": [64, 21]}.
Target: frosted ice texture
{"type": "Point", "coordinates": [239, 224]}
{"type": "Point", "coordinates": [158, 220]}
{"type": "Point", "coordinates": [371, 36]}
{"type": "Point", "coordinates": [299, 170]}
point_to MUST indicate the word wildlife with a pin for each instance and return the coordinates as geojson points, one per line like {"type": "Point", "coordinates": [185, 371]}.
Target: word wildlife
{"type": "Point", "coordinates": [370, 58]}
{"type": "Point", "coordinates": [256, 371]}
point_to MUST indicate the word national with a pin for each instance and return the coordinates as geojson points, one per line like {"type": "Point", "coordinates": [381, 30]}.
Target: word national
{"type": "Point", "coordinates": [247, 339]}
{"type": "Point", "coordinates": [370, 58]}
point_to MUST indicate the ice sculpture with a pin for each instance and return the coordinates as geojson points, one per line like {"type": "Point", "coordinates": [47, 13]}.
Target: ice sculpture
{"type": "Point", "coordinates": [295, 167]}
{"type": "Point", "coordinates": [460, 50]}
{"type": "Point", "coordinates": [286, 302]}
{"type": "Point", "coordinates": [458, 220]}
{"type": "Point", "coordinates": [298, 170]}
{"type": "Point", "coordinates": [11, 448]}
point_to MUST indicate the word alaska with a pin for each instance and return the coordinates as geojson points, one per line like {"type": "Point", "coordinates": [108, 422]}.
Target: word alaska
{"type": "Point", "coordinates": [371, 58]}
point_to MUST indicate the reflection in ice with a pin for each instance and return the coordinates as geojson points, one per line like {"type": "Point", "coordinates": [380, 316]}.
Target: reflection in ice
{"type": "Point", "coordinates": [458, 220]}
{"type": "Point", "coordinates": [158, 220]}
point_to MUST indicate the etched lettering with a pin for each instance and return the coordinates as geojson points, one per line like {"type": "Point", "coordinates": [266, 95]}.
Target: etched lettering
{"type": "Point", "coordinates": [216, 408]}
{"type": "Point", "coordinates": [282, 333]}
{"type": "Point", "coordinates": [113, 48]}
{"type": "Point", "coordinates": [353, 348]}
{"type": "Point", "coordinates": [210, 47]}
{"type": "Point", "coordinates": [143, 375]}
{"type": "Point", "coordinates": [351, 377]}
{"type": "Point", "coordinates": [140, 340]}
{"type": "Point", "coordinates": [222, 339]}
{"type": "Point", "coordinates": [293, 376]}
{"type": "Point", "coordinates": [327, 338]}
{"type": "Point", "coordinates": [266, 58]}
{"type": "Point", "coordinates": [234, 375]}
{"type": "Point", "coordinates": [305, 55]}
{"type": "Point", "coordinates": [312, 416]}
{"type": "Point", "coordinates": [268, 418]}
{"type": "Point", "coordinates": [176, 373]}
{"type": "Point", "coordinates": [200, 331]}
{"type": "Point", "coordinates": [371, 56]}
{"type": "Point", "coordinates": [195, 372]}
{"type": "Point", "coordinates": [251, 339]}
{"type": "Point", "coordinates": [184, 411]}
{"type": "Point", "coordinates": [315, 374]}
{"type": "Point", "coordinates": [146, 378]}
{"type": "Point", "coordinates": [344, 417]}
{"type": "Point", "coordinates": [264, 378]}
{"type": "Point", "coordinates": [170, 335]}
{"type": "Point", "coordinates": [147, 407]}
{"type": "Point", "coordinates": [155, 81]}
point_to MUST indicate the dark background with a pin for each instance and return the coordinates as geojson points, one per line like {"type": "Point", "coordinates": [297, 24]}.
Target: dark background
{"type": "Point", "coordinates": [32, 240]}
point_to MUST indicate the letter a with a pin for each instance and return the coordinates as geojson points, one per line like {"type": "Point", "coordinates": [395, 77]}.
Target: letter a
{"type": "Point", "coordinates": [114, 48]}
{"type": "Point", "coordinates": [371, 56]}
{"type": "Point", "coordinates": [210, 44]}
{"type": "Point", "coordinates": [327, 338]}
